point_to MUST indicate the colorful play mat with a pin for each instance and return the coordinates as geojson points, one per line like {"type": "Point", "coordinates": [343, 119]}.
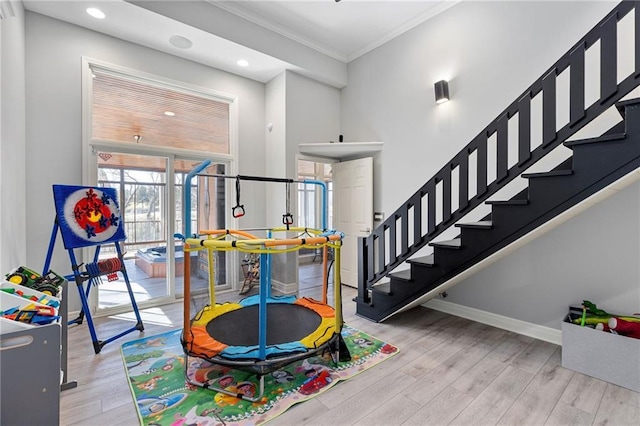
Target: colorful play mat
{"type": "Point", "coordinates": [155, 368]}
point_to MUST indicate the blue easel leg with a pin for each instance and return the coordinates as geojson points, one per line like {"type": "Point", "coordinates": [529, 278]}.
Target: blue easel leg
{"type": "Point", "coordinates": [83, 298]}
{"type": "Point", "coordinates": [139, 325]}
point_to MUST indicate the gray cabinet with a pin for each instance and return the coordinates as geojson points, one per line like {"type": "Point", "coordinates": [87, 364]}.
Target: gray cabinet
{"type": "Point", "coordinates": [30, 369]}
{"type": "Point", "coordinates": [30, 376]}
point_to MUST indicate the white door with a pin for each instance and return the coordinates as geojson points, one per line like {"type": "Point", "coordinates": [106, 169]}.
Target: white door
{"type": "Point", "coordinates": [353, 210]}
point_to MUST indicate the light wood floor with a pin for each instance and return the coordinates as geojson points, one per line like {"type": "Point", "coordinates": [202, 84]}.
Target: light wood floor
{"type": "Point", "coordinates": [449, 371]}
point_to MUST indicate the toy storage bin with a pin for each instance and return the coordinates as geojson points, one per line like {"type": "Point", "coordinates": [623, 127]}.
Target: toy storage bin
{"type": "Point", "coordinates": [30, 367]}
{"type": "Point", "coordinates": [605, 356]}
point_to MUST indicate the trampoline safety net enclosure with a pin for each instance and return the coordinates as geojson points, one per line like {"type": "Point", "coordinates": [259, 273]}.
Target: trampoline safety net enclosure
{"type": "Point", "coordinates": [262, 333]}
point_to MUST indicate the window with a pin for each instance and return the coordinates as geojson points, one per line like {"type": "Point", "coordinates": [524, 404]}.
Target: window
{"type": "Point", "coordinates": [144, 134]}
{"type": "Point", "coordinates": [310, 197]}
{"type": "Point", "coordinates": [143, 200]}
{"type": "Point", "coordinates": [133, 111]}
{"type": "Point", "coordinates": [141, 193]}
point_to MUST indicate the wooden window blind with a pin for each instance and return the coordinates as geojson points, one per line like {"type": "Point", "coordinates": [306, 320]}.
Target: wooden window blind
{"type": "Point", "coordinates": [133, 111]}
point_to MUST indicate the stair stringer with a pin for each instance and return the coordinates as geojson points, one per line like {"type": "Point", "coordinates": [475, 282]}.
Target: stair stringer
{"type": "Point", "coordinates": [597, 198]}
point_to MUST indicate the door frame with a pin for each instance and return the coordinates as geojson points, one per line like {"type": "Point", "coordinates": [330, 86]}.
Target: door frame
{"type": "Point", "coordinates": [91, 146]}
{"type": "Point", "coordinates": [233, 276]}
{"type": "Point", "coordinates": [314, 160]}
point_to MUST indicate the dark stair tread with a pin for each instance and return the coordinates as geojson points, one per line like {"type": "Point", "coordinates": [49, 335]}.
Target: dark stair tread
{"type": "Point", "coordinates": [404, 275]}
{"type": "Point", "coordinates": [424, 260]}
{"type": "Point", "coordinates": [508, 202]}
{"type": "Point", "coordinates": [456, 243]}
{"type": "Point", "coordinates": [603, 138]}
{"type": "Point", "coordinates": [382, 287]}
{"type": "Point", "coordinates": [548, 174]}
{"type": "Point", "coordinates": [483, 224]}
{"type": "Point", "coordinates": [623, 104]}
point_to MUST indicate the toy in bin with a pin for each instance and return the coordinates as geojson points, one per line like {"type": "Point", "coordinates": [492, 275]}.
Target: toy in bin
{"type": "Point", "coordinates": [45, 299]}
{"type": "Point", "coordinates": [31, 314]}
{"type": "Point", "coordinates": [47, 284]}
{"type": "Point", "coordinates": [625, 325]}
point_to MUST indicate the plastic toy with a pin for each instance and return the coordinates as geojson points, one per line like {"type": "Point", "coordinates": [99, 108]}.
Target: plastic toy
{"type": "Point", "coordinates": [47, 284]}
{"type": "Point", "coordinates": [10, 313]}
{"type": "Point", "coordinates": [31, 314]}
{"type": "Point", "coordinates": [589, 314]}
{"type": "Point", "coordinates": [625, 328]}
{"type": "Point", "coordinates": [315, 383]}
{"type": "Point", "coordinates": [90, 217]}
{"type": "Point", "coordinates": [42, 299]}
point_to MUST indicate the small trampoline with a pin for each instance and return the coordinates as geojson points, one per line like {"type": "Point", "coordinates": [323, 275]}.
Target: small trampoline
{"type": "Point", "coordinates": [261, 333]}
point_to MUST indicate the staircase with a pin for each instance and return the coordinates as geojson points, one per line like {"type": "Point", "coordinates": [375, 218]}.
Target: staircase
{"type": "Point", "coordinates": [595, 163]}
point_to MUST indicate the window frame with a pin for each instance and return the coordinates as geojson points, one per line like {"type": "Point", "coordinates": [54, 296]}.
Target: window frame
{"type": "Point", "coordinates": [318, 174]}
{"type": "Point", "coordinates": [90, 146]}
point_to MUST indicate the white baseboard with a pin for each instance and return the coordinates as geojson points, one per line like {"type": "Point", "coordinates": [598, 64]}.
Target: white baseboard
{"type": "Point", "coordinates": [283, 288]}
{"type": "Point", "coordinates": [539, 332]}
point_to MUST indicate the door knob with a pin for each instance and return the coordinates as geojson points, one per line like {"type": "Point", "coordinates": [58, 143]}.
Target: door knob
{"type": "Point", "coordinates": [368, 230]}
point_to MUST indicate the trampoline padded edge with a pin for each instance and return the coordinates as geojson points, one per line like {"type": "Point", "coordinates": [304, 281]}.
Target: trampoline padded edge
{"type": "Point", "coordinates": [200, 343]}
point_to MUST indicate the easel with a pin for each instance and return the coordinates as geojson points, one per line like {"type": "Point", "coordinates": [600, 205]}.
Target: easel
{"type": "Point", "coordinates": [71, 228]}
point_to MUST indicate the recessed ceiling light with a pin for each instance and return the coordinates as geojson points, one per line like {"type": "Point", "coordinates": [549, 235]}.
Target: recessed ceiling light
{"type": "Point", "coordinates": [96, 13]}
{"type": "Point", "coordinates": [243, 62]}
{"type": "Point", "coordinates": [170, 113]}
{"type": "Point", "coordinates": [180, 42]}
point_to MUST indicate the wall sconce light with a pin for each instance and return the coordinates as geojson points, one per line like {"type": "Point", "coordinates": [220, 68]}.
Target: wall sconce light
{"type": "Point", "coordinates": [442, 91]}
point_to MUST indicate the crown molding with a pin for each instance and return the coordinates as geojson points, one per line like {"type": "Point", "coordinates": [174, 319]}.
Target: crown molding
{"type": "Point", "coordinates": [236, 9]}
{"type": "Point", "coordinates": [438, 8]}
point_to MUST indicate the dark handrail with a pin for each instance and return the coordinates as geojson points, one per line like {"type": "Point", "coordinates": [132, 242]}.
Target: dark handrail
{"type": "Point", "coordinates": [377, 253]}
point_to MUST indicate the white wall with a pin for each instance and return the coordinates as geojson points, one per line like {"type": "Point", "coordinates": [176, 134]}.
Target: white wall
{"type": "Point", "coordinates": [276, 149]}
{"type": "Point", "coordinates": [593, 256]}
{"type": "Point", "coordinates": [301, 110]}
{"type": "Point", "coordinates": [13, 249]}
{"type": "Point", "coordinates": [313, 114]}
{"type": "Point", "coordinates": [490, 52]}
{"type": "Point", "coordinates": [54, 146]}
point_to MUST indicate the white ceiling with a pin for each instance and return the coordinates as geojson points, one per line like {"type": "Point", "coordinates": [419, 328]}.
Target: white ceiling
{"type": "Point", "coordinates": [337, 31]}
{"type": "Point", "coordinates": [343, 30]}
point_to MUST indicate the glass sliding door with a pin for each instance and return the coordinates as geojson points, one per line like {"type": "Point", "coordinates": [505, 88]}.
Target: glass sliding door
{"type": "Point", "coordinates": [152, 214]}
{"type": "Point", "coordinates": [207, 212]}
{"type": "Point", "coordinates": [143, 135]}
{"type": "Point", "coordinates": [141, 183]}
